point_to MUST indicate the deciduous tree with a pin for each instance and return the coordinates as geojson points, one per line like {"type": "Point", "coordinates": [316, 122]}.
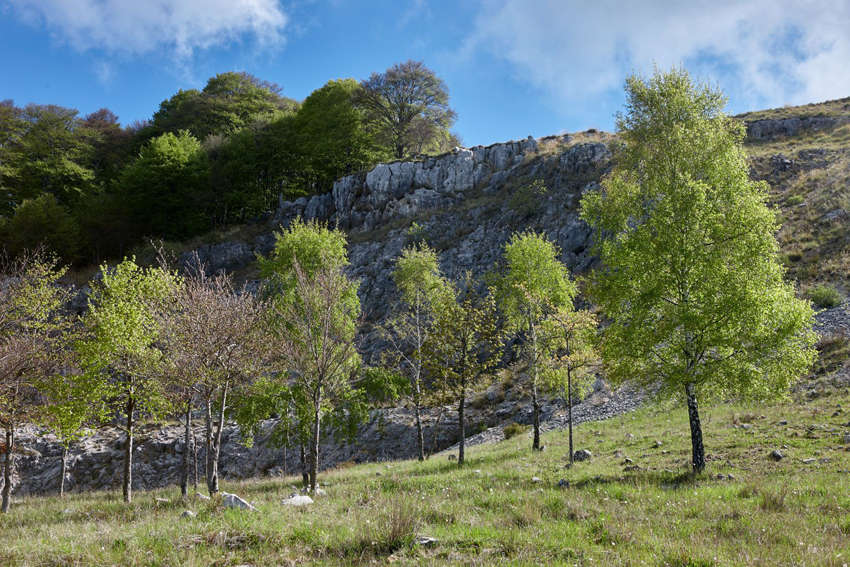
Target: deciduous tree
{"type": "Point", "coordinates": [31, 325]}
{"type": "Point", "coordinates": [123, 347]}
{"type": "Point", "coordinates": [463, 347]}
{"type": "Point", "coordinates": [417, 277]}
{"type": "Point", "coordinates": [530, 284]}
{"type": "Point", "coordinates": [406, 105]}
{"type": "Point", "coordinates": [690, 275]}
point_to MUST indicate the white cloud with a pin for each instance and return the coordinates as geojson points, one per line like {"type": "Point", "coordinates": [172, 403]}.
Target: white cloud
{"type": "Point", "coordinates": [136, 27]}
{"type": "Point", "coordinates": [763, 52]}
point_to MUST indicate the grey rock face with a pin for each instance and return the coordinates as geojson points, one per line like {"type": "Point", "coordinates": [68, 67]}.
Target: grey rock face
{"type": "Point", "coordinates": [769, 129]}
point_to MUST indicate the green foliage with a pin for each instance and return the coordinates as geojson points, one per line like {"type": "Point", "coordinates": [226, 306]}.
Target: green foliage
{"type": "Point", "coordinates": [690, 275]}
{"type": "Point", "coordinates": [228, 102]}
{"type": "Point", "coordinates": [332, 136]}
{"type": "Point", "coordinates": [569, 342]}
{"type": "Point", "coordinates": [408, 108]}
{"type": "Point", "coordinates": [42, 222]}
{"type": "Point", "coordinates": [31, 331]}
{"type": "Point", "coordinates": [74, 401]}
{"type": "Point", "coordinates": [417, 276]}
{"type": "Point", "coordinates": [383, 385]}
{"type": "Point", "coordinates": [465, 342]}
{"type": "Point", "coordinates": [825, 296]}
{"type": "Point", "coordinates": [311, 245]}
{"type": "Point", "coordinates": [43, 149]}
{"type": "Point", "coordinates": [514, 429]}
{"type": "Point", "coordinates": [527, 199]}
{"type": "Point", "coordinates": [122, 347]}
{"type": "Point", "coordinates": [795, 200]}
{"type": "Point", "coordinates": [532, 281]}
{"type": "Point", "coordinates": [162, 186]}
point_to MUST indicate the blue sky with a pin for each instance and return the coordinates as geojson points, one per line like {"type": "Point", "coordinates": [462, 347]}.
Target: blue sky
{"type": "Point", "coordinates": [514, 67]}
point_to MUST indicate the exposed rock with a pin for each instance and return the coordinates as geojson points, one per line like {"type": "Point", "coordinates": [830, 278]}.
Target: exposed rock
{"type": "Point", "coordinates": [233, 501]}
{"type": "Point", "coordinates": [777, 455]}
{"type": "Point", "coordinates": [199, 496]}
{"type": "Point", "coordinates": [563, 483]}
{"type": "Point", "coordinates": [582, 455]}
{"type": "Point", "coordinates": [188, 514]}
{"type": "Point", "coordinates": [426, 541]}
{"type": "Point", "coordinates": [297, 500]}
{"type": "Point", "coordinates": [770, 129]}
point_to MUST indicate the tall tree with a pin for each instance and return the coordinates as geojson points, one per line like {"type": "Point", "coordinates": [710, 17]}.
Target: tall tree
{"type": "Point", "coordinates": [316, 310]}
{"type": "Point", "coordinates": [47, 150]}
{"type": "Point", "coordinates": [332, 134]}
{"type": "Point", "coordinates": [228, 102]}
{"type": "Point", "coordinates": [30, 327]}
{"type": "Point", "coordinates": [463, 347]}
{"type": "Point", "coordinates": [417, 277]}
{"type": "Point", "coordinates": [407, 104]}
{"type": "Point", "coordinates": [213, 349]}
{"type": "Point", "coordinates": [162, 186]}
{"type": "Point", "coordinates": [569, 339]}
{"type": "Point", "coordinates": [689, 273]}
{"type": "Point", "coordinates": [123, 347]}
{"type": "Point", "coordinates": [530, 284]}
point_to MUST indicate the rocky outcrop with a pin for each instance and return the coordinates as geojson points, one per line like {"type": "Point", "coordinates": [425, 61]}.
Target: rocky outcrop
{"type": "Point", "coordinates": [774, 128]}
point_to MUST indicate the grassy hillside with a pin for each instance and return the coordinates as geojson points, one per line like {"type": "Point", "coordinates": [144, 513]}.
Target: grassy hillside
{"type": "Point", "coordinates": [496, 511]}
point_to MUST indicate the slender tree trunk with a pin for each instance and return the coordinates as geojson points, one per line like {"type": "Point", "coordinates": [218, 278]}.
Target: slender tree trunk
{"type": "Point", "coordinates": [128, 452]}
{"type": "Point", "coordinates": [314, 451]}
{"type": "Point", "coordinates": [436, 432]}
{"type": "Point", "coordinates": [187, 440]}
{"type": "Point", "coordinates": [305, 470]}
{"type": "Point", "coordinates": [570, 410]}
{"type": "Point", "coordinates": [7, 470]}
{"type": "Point", "coordinates": [535, 444]}
{"type": "Point", "coordinates": [698, 450]}
{"type": "Point", "coordinates": [460, 454]}
{"type": "Point", "coordinates": [195, 458]}
{"type": "Point", "coordinates": [212, 479]}
{"type": "Point", "coordinates": [64, 470]}
{"type": "Point", "coordinates": [208, 456]}
{"type": "Point", "coordinates": [420, 435]}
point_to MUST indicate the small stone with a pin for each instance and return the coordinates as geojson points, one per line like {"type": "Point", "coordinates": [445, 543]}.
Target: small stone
{"type": "Point", "coordinates": [542, 448]}
{"type": "Point", "coordinates": [847, 438]}
{"type": "Point", "coordinates": [777, 455]}
{"type": "Point", "coordinates": [631, 468]}
{"type": "Point", "coordinates": [563, 483]}
{"type": "Point", "coordinates": [783, 422]}
{"type": "Point", "coordinates": [297, 500]}
{"type": "Point", "coordinates": [452, 457]}
{"type": "Point", "coordinates": [730, 477]}
{"type": "Point", "coordinates": [807, 461]}
{"type": "Point", "coordinates": [426, 541]}
{"type": "Point", "coordinates": [721, 476]}
{"type": "Point", "coordinates": [785, 446]}
{"type": "Point", "coordinates": [162, 500]}
{"type": "Point", "coordinates": [746, 426]}
{"type": "Point", "coordinates": [188, 514]}
{"type": "Point", "coordinates": [199, 496]}
{"type": "Point", "coordinates": [536, 479]}
{"type": "Point", "coordinates": [657, 443]}
{"type": "Point", "coordinates": [234, 501]}
{"type": "Point", "coordinates": [379, 473]}
{"type": "Point", "coordinates": [582, 455]}
{"type": "Point", "coordinates": [627, 461]}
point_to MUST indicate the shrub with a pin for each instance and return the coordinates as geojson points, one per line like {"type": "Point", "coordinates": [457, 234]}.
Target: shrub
{"type": "Point", "coordinates": [515, 429]}
{"type": "Point", "coordinates": [825, 296]}
{"type": "Point", "coordinates": [794, 200]}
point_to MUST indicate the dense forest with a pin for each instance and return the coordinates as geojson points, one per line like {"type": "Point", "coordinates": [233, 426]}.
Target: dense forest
{"type": "Point", "coordinates": [91, 189]}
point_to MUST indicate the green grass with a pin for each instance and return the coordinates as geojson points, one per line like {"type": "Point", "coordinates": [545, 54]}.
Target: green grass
{"type": "Point", "coordinates": [492, 513]}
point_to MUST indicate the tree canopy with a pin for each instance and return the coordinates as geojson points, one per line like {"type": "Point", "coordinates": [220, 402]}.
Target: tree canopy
{"type": "Point", "coordinates": [689, 272]}
{"type": "Point", "coordinates": [408, 107]}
